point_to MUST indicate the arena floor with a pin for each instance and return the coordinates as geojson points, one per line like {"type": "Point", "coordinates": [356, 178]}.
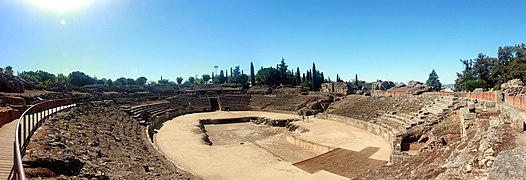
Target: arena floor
{"type": "Point", "coordinates": [249, 151]}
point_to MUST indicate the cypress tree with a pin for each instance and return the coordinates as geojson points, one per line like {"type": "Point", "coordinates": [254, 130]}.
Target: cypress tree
{"type": "Point", "coordinates": [356, 81]}
{"type": "Point", "coordinates": [298, 76]}
{"type": "Point", "coordinates": [314, 78]}
{"type": "Point", "coordinates": [252, 76]}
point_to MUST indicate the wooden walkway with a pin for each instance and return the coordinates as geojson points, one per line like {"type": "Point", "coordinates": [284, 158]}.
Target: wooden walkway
{"type": "Point", "coordinates": [342, 162]}
{"type": "Point", "coordinates": [7, 135]}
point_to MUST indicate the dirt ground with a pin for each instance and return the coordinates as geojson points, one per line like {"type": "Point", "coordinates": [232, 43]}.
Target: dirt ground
{"type": "Point", "coordinates": [248, 151]}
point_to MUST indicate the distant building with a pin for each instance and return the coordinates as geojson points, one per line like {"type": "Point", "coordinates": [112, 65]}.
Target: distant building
{"type": "Point", "coordinates": [448, 88]}
{"type": "Point", "coordinates": [336, 87]}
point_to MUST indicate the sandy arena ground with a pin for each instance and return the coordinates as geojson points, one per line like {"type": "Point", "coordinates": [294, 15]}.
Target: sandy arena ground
{"type": "Point", "coordinates": [249, 151]}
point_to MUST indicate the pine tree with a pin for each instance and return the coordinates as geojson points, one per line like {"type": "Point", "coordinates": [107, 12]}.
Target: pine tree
{"type": "Point", "coordinates": [433, 81]}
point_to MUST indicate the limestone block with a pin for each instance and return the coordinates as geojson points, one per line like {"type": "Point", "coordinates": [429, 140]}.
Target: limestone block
{"type": "Point", "coordinates": [469, 116]}
{"type": "Point", "coordinates": [490, 104]}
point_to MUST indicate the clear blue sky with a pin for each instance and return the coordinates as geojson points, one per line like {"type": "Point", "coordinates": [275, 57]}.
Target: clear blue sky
{"type": "Point", "coordinates": [398, 40]}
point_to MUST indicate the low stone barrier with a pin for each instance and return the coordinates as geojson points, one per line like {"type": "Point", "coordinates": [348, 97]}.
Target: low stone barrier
{"type": "Point", "coordinates": [158, 120]}
{"type": "Point", "coordinates": [375, 129]}
{"type": "Point", "coordinates": [309, 146]}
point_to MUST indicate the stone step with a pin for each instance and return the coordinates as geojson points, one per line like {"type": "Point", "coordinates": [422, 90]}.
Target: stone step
{"type": "Point", "coordinates": [390, 127]}
{"type": "Point", "coordinates": [402, 117]}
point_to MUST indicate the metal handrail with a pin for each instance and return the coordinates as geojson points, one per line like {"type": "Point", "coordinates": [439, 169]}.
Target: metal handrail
{"type": "Point", "coordinates": [41, 111]}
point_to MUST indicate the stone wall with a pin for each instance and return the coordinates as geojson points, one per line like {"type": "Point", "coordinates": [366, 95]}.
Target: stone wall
{"type": "Point", "coordinates": [488, 96]}
{"type": "Point", "coordinates": [516, 101]}
{"type": "Point", "coordinates": [157, 121]}
{"type": "Point", "coordinates": [309, 146]}
{"type": "Point", "coordinates": [390, 93]}
{"type": "Point", "coordinates": [336, 87]}
{"type": "Point", "coordinates": [375, 129]}
{"type": "Point", "coordinates": [8, 115]}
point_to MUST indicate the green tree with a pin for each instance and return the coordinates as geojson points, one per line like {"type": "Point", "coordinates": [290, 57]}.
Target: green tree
{"type": "Point", "coordinates": [314, 85]}
{"type": "Point", "coordinates": [268, 76]}
{"type": "Point", "coordinates": [61, 78]}
{"type": "Point", "coordinates": [39, 76]}
{"type": "Point", "coordinates": [9, 70]}
{"type": "Point", "coordinates": [433, 81]}
{"type": "Point", "coordinates": [78, 78]}
{"type": "Point", "coordinates": [141, 80]}
{"type": "Point", "coordinates": [473, 84]}
{"type": "Point", "coordinates": [163, 81]}
{"type": "Point", "coordinates": [179, 80]}
{"type": "Point", "coordinates": [356, 82]}
{"type": "Point", "coordinates": [298, 76]}
{"type": "Point", "coordinates": [130, 81]}
{"type": "Point", "coordinates": [109, 83]}
{"type": "Point", "coordinates": [285, 75]}
{"type": "Point", "coordinates": [252, 75]}
{"type": "Point", "coordinates": [206, 77]}
{"type": "Point", "coordinates": [467, 75]}
{"type": "Point", "coordinates": [191, 80]}
{"type": "Point", "coordinates": [220, 79]}
{"type": "Point", "coordinates": [121, 81]}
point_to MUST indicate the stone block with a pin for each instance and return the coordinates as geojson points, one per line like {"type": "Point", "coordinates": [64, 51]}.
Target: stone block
{"type": "Point", "coordinates": [490, 104]}
{"type": "Point", "coordinates": [469, 116]}
{"type": "Point", "coordinates": [479, 110]}
{"type": "Point", "coordinates": [464, 110]}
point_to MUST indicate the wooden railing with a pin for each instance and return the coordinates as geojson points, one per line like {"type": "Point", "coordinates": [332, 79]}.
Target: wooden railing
{"type": "Point", "coordinates": [32, 119]}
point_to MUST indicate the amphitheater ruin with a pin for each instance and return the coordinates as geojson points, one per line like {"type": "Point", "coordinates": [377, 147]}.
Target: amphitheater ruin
{"type": "Point", "coordinates": [233, 133]}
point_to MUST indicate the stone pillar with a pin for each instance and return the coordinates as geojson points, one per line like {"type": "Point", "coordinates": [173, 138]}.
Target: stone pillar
{"type": "Point", "coordinates": [466, 117]}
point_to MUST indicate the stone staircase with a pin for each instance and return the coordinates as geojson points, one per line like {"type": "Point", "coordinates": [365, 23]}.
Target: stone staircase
{"type": "Point", "coordinates": [143, 113]}
{"type": "Point", "coordinates": [440, 105]}
{"type": "Point", "coordinates": [235, 102]}
{"type": "Point", "coordinates": [429, 114]}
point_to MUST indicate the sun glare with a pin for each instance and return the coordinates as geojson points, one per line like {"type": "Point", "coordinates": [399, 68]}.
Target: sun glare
{"type": "Point", "coordinates": [60, 5]}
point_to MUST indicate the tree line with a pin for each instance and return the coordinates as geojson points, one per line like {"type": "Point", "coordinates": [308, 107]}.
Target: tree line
{"type": "Point", "coordinates": [280, 75]}
{"type": "Point", "coordinates": [490, 72]}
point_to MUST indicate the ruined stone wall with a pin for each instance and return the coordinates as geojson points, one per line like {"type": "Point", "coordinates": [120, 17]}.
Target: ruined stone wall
{"type": "Point", "coordinates": [336, 87]}
{"type": "Point", "coordinates": [390, 93]}
{"type": "Point", "coordinates": [503, 101]}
